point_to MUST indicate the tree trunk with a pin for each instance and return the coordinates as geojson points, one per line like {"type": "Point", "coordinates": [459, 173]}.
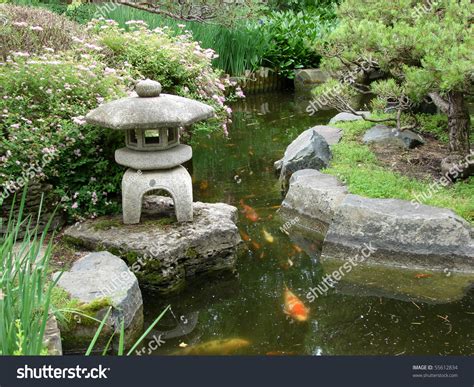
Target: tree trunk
{"type": "Point", "coordinates": [459, 124]}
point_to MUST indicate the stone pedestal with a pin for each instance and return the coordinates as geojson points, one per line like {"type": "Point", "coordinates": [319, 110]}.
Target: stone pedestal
{"type": "Point", "coordinates": [176, 181]}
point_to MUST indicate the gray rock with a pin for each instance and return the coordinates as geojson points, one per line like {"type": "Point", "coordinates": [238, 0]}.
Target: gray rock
{"type": "Point", "coordinates": [316, 195]}
{"type": "Point", "coordinates": [52, 337]}
{"type": "Point", "coordinates": [403, 234]}
{"type": "Point", "coordinates": [309, 78]}
{"type": "Point", "coordinates": [331, 135]}
{"type": "Point", "coordinates": [308, 151]}
{"type": "Point", "coordinates": [342, 117]}
{"type": "Point", "coordinates": [455, 167]}
{"type": "Point", "coordinates": [163, 159]}
{"type": "Point", "coordinates": [105, 279]}
{"type": "Point", "coordinates": [384, 135]}
{"type": "Point", "coordinates": [163, 253]}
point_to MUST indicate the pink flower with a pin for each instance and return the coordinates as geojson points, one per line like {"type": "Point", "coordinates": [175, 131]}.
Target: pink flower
{"type": "Point", "coordinates": [75, 205]}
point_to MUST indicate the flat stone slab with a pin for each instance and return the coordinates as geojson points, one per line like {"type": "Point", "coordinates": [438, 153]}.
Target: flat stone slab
{"type": "Point", "coordinates": [342, 117]}
{"type": "Point", "coordinates": [384, 135]}
{"type": "Point", "coordinates": [403, 234]}
{"type": "Point", "coordinates": [103, 278]}
{"type": "Point", "coordinates": [329, 133]}
{"type": "Point", "coordinates": [162, 159]}
{"type": "Point", "coordinates": [162, 252]}
{"type": "Point", "coordinates": [316, 195]}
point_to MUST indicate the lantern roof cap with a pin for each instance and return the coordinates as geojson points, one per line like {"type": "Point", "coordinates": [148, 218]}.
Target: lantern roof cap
{"type": "Point", "coordinates": [149, 109]}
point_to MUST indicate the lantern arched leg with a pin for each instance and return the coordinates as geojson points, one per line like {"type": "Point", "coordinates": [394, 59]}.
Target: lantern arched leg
{"type": "Point", "coordinates": [176, 181]}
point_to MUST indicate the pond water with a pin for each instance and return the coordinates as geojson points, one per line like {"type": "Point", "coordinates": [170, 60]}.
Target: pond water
{"type": "Point", "coordinates": [248, 304]}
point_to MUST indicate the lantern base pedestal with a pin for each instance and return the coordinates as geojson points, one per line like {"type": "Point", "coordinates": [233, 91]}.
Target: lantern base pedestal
{"type": "Point", "coordinates": [176, 181]}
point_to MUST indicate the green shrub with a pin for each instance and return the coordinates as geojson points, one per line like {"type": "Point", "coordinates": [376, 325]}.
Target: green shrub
{"type": "Point", "coordinates": [291, 37]}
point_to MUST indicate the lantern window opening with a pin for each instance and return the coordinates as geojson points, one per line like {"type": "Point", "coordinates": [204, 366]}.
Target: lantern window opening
{"type": "Point", "coordinates": [132, 137]}
{"type": "Point", "coordinates": [152, 137]}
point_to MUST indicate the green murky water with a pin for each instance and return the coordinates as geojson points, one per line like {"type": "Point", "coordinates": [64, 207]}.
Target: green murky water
{"type": "Point", "coordinates": [376, 311]}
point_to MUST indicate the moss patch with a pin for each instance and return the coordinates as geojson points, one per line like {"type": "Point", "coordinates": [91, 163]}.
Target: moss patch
{"type": "Point", "coordinates": [71, 312]}
{"type": "Point", "coordinates": [106, 224]}
{"type": "Point", "coordinates": [191, 253]}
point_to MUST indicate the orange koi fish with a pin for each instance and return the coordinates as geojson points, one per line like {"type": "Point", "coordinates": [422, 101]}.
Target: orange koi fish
{"type": "Point", "coordinates": [256, 245]}
{"type": "Point", "coordinates": [297, 248]}
{"type": "Point", "coordinates": [422, 275]}
{"type": "Point", "coordinates": [249, 212]}
{"type": "Point", "coordinates": [244, 236]}
{"type": "Point", "coordinates": [203, 185]}
{"type": "Point", "coordinates": [294, 307]}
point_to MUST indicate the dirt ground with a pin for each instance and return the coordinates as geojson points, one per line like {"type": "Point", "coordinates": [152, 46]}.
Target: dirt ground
{"type": "Point", "coordinates": [422, 163]}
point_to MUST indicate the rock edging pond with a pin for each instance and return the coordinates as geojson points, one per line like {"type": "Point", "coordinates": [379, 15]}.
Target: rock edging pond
{"type": "Point", "coordinates": [403, 234]}
{"type": "Point", "coordinates": [95, 283]}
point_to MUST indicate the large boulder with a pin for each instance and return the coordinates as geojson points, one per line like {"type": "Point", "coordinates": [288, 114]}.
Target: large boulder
{"type": "Point", "coordinates": [402, 233]}
{"type": "Point", "coordinates": [384, 135]}
{"type": "Point", "coordinates": [315, 195]}
{"type": "Point", "coordinates": [308, 151]}
{"type": "Point", "coordinates": [331, 134]}
{"type": "Point", "coordinates": [160, 251]}
{"type": "Point", "coordinates": [95, 283]}
{"type": "Point", "coordinates": [343, 117]}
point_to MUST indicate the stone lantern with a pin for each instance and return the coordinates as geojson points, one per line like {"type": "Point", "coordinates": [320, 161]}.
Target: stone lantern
{"type": "Point", "coordinates": [153, 154]}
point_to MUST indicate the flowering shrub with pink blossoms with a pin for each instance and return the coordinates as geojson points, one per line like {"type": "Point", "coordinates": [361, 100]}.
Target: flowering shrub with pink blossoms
{"type": "Point", "coordinates": [43, 101]}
